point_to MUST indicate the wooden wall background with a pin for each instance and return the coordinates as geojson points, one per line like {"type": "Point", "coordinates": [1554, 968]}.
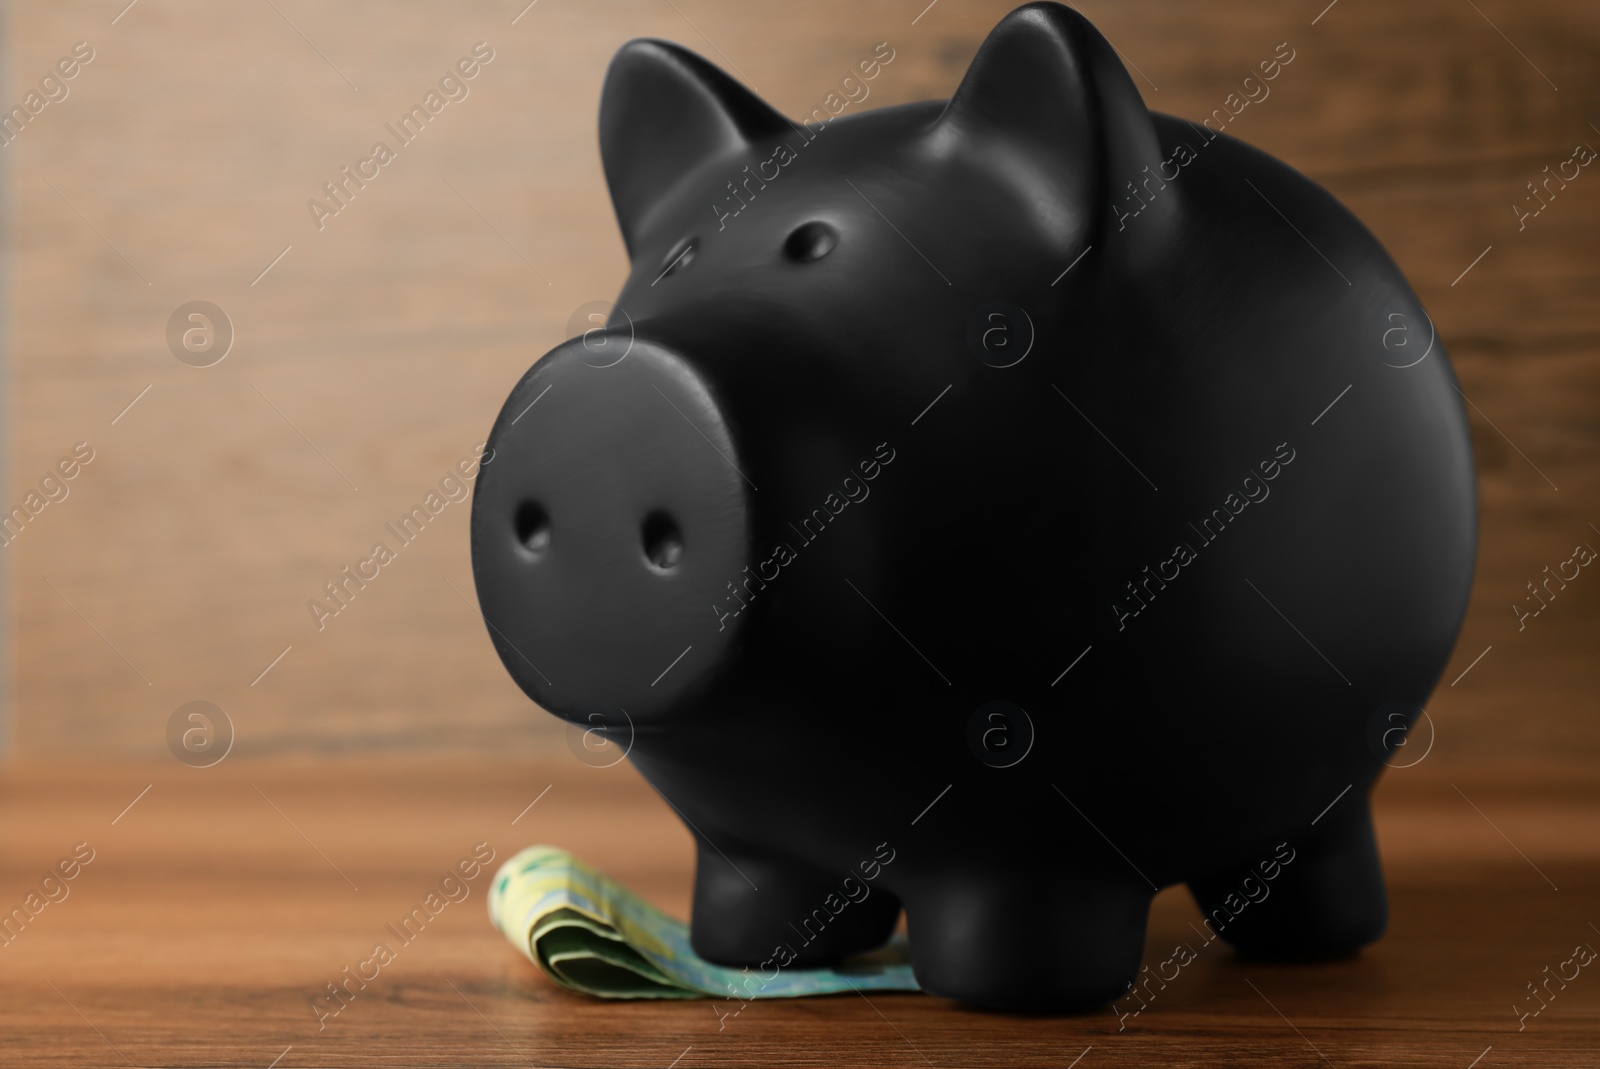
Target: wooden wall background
{"type": "Point", "coordinates": [179, 166]}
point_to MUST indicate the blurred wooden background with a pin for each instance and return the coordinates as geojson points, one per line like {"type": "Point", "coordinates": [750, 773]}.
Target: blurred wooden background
{"type": "Point", "coordinates": [375, 352]}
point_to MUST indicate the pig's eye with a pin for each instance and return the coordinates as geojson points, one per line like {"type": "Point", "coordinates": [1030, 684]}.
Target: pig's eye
{"type": "Point", "coordinates": [810, 241]}
{"type": "Point", "coordinates": [681, 256]}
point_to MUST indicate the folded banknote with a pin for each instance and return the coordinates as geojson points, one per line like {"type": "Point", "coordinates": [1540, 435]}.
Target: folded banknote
{"type": "Point", "coordinates": [590, 934]}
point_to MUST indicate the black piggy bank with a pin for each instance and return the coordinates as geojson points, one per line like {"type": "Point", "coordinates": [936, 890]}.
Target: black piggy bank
{"type": "Point", "coordinates": [998, 509]}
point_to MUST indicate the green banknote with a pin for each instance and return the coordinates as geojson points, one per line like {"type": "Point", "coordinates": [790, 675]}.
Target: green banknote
{"type": "Point", "coordinates": [591, 934]}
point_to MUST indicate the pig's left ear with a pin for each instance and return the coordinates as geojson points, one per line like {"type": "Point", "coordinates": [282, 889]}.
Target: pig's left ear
{"type": "Point", "coordinates": [1046, 94]}
{"type": "Point", "coordinates": [663, 112]}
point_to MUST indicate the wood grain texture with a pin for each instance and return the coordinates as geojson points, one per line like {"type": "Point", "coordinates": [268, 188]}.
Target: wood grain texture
{"type": "Point", "coordinates": [225, 898]}
{"type": "Point", "coordinates": [378, 349]}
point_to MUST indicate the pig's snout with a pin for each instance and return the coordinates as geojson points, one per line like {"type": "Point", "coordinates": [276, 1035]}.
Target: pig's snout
{"type": "Point", "coordinates": [608, 522]}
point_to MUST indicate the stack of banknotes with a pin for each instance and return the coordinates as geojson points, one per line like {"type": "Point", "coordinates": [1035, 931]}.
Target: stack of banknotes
{"type": "Point", "coordinates": [592, 935]}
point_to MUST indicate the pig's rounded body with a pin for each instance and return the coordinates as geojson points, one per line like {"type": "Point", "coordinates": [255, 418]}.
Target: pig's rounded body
{"type": "Point", "coordinates": [1212, 534]}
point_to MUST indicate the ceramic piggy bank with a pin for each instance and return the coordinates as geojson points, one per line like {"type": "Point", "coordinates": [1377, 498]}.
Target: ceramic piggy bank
{"type": "Point", "coordinates": [996, 509]}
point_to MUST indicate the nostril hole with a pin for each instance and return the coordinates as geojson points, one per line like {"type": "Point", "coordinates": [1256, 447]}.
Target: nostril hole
{"type": "Point", "coordinates": [810, 241]}
{"type": "Point", "coordinates": [663, 542]}
{"type": "Point", "coordinates": [533, 528]}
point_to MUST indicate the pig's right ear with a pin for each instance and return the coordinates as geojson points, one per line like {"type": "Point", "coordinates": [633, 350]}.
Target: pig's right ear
{"type": "Point", "coordinates": [663, 112]}
{"type": "Point", "coordinates": [1047, 99]}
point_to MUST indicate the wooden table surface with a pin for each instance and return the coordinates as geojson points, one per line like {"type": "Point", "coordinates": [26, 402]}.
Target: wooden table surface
{"type": "Point", "coordinates": [225, 898]}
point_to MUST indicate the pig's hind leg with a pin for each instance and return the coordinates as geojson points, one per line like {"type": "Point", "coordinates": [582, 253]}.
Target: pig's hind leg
{"type": "Point", "coordinates": [747, 908]}
{"type": "Point", "coordinates": [1327, 901]}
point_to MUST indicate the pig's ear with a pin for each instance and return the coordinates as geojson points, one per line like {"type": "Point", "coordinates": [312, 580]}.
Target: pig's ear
{"type": "Point", "coordinates": [663, 112]}
{"type": "Point", "coordinates": [1047, 94]}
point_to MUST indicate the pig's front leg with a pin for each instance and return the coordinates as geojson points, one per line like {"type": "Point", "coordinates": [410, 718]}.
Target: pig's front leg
{"type": "Point", "coordinates": [1044, 943]}
{"type": "Point", "coordinates": [746, 908]}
